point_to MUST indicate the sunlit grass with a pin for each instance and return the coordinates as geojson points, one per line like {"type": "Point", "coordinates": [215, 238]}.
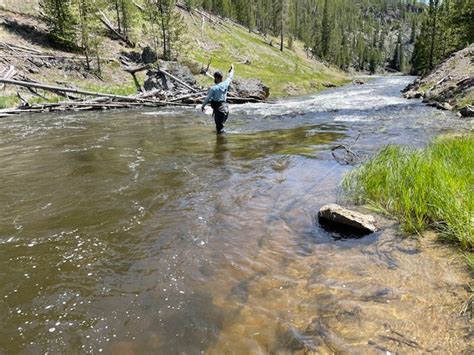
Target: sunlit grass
{"type": "Point", "coordinates": [430, 188]}
{"type": "Point", "coordinates": [286, 73]}
{"type": "Point", "coordinates": [9, 101]}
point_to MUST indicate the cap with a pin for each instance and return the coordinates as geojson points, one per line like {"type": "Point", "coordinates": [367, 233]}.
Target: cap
{"type": "Point", "coordinates": [218, 74]}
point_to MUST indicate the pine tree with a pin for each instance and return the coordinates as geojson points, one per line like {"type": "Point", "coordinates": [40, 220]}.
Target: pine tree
{"type": "Point", "coordinates": [126, 16]}
{"type": "Point", "coordinates": [325, 31]}
{"type": "Point", "coordinates": [167, 26]}
{"type": "Point", "coordinates": [397, 59]}
{"type": "Point", "coordinates": [59, 18]}
{"type": "Point", "coordinates": [433, 11]}
{"type": "Point", "coordinates": [89, 30]}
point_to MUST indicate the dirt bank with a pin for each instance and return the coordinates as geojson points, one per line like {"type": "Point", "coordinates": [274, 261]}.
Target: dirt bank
{"type": "Point", "coordinates": [450, 86]}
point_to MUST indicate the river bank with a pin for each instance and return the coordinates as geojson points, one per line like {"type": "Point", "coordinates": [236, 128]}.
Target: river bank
{"type": "Point", "coordinates": [286, 73]}
{"type": "Point", "coordinates": [428, 188]}
{"type": "Point", "coordinates": [450, 86]}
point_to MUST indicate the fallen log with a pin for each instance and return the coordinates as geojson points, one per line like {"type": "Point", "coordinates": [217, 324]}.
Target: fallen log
{"type": "Point", "coordinates": [178, 81]}
{"type": "Point", "coordinates": [139, 7]}
{"type": "Point", "coordinates": [184, 97]}
{"type": "Point", "coordinates": [133, 70]}
{"type": "Point", "coordinates": [85, 105]}
{"type": "Point", "coordinates": [109, 25]}
{"type": "Point", "coordinates": [14, 47]}
{"type": "Point", "coordinates": [73, 91]}
{"type": "Point", "coordinates": [65, 57]}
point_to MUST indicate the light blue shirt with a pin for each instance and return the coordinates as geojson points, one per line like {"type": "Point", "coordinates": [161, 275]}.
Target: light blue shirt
{"type": "Point", "coordinates": [219, 91]}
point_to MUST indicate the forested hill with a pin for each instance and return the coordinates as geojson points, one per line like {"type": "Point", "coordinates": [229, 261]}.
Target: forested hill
{"type": "Point", "coordinates": [360, 34]}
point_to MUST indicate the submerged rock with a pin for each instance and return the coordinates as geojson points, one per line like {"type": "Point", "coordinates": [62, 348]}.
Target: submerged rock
{"type": "Point", "coordinates": [351, 220]}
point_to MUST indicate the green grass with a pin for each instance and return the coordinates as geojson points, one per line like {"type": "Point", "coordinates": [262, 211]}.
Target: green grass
{"type": "Point", "coordinates": [429, 188]}
{"type": "Point", "coordinates": [14, 101]}
{"type": "Point", "coordinates": [9, 101]}
{"type": "Point", "coordinates": [124, 89]}
{"type": "Point", "coordinates": [286, 73]}
{"type": "Point", "coordinates": [467, 100]}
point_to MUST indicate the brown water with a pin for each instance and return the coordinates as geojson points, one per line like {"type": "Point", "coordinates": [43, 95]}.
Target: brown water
{"type": "Point", "coordinates": [141, 232]}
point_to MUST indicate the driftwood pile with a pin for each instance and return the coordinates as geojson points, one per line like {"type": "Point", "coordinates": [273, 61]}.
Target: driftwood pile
{"type": "Point", "coordinates": [162, 88]}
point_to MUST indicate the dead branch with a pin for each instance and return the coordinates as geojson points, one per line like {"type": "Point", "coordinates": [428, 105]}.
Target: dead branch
{"type": "Point", "coordinates": [188, 96]}
{"type": "Point", "coordinates": [139, 7]}
{"type": "Point", "coordinates": [24, 102]}
{"type": "Point", "coordinates": [133, 70]}
{"type": "Point", "coordinates": [350, 157]}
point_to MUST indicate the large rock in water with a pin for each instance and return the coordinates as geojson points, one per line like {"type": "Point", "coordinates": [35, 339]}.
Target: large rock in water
{"type": "Point", "coordinates": [250, 88]}
{"type": "Point", "coordinates": [350, 220]}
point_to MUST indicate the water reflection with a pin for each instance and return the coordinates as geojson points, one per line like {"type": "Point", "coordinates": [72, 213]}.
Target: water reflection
{"type": "Point", "coordinates": [221, 151]}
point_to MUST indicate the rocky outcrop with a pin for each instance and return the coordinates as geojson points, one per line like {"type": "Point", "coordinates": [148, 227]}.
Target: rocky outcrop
{"type": "Point", "coordinates": [450, 86]}
{"type": "Point", "coordinates": [149, 56]}
{"type": "Point", "coordinates": [155, 79]}
{"type": "Point", "coordinates": [250, 88]}
{"type": "Point", "coordinates": [336, 215]}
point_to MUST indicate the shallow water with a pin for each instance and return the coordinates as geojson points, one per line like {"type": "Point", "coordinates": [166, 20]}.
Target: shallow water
{"type": "Point", "coordinates": [143, 232]}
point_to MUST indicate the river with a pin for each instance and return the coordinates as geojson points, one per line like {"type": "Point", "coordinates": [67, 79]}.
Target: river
{"type": "Point", "coordinates": [136, 232]}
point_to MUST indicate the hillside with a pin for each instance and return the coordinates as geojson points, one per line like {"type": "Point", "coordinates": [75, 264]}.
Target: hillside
{"type": "Point", "coordinates": [286, 73]}
{"type": "Point", "coordinates": [361, 35]}
{"type": "Point", "coordinates": [450, 86]}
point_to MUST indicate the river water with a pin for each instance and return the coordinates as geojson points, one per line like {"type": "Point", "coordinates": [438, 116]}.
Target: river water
{"type": "Point", "coordinates": [138, 232]}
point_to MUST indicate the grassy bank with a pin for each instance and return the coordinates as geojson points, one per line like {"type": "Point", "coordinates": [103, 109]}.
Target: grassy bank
{"type": "Point", "coordinates": [429, 188]}
{"type": "Point", "coordinates": [287, 73]}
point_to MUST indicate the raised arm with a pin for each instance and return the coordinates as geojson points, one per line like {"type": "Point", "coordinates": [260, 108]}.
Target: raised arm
{"type": "Point", "coordinates": [230, 77]}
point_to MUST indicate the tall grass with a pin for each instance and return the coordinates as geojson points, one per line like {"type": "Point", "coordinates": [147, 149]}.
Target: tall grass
{"type": "Point", "coordinates": [429, 188]}
{"type": "Point", "coordinates": [8, 101]}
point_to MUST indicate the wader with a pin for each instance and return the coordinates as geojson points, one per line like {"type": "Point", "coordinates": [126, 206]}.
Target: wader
{"type": "Point", "coordinates": [221, 114]}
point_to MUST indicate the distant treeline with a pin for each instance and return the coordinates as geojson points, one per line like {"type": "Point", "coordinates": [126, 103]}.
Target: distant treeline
{"type": "Point", "coordinates": [401, 35]}
{"type": "Point", "coordinates": [446, 26]}
{"type": "Point", "coordinates": [360, 34]}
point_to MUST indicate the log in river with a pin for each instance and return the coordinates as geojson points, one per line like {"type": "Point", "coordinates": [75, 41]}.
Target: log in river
{"type": "Point", "coordinates": [142, 232]}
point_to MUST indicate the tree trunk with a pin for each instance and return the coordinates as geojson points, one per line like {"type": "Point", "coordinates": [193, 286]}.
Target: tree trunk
{"type": "Point", "coordinates": [433, 31]}
{"type": "Point", "coordinates": [117, 9]}
{"type": "Point", "coordinates": [282, 24]}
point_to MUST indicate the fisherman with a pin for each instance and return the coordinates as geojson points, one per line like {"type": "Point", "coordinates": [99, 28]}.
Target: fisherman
{"type": "Point", "coordinates": [217, 97]}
